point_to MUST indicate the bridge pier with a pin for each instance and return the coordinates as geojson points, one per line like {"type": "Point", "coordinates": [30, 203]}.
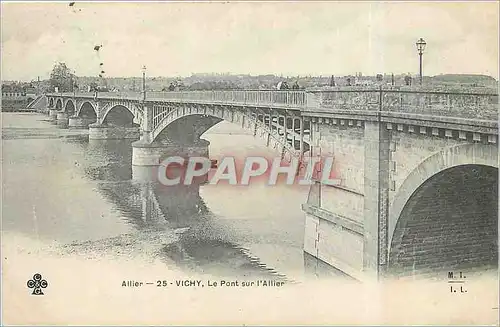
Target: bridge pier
{"type": "Point", "coordinates": [376, 200]}
{"type": "Point", "coordinates": [109, 132]}
{"type": "Point", "coordinates": [363, 224]}
{"type": "Point", "coordinates": [78, 122]}
{"type": "Point", "coordinates": [62, 119]}
{"type": "Point", "coordinates": [53, 114]}
{"type": "Point", "coordinates": [146, 157]}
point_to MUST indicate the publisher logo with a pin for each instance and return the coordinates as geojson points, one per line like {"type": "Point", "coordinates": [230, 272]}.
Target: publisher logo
{"type": "Point", "coordinates": [37, 283]}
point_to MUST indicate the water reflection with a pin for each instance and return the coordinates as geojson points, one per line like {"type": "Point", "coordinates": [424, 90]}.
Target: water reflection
{"type": "Point", "coordinates": [147, 205]}
{"type": "Point", "coordinates": [108, 160]}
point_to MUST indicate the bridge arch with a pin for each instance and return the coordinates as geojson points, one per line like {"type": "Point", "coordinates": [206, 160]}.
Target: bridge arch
{"type": "Point", "coordinates": [460, 184]}
{"type": "Point", "coordinates": [70, 107]}
{"type": "Point", "coordinates": [87, 110]}
{"type": "Point", "coordinates": [59, 104]}
{"type": "Point", "coordinates": [187, 128]}
{"type": "Point", "coordinates": [118, 115]}
{"type": "Point", "coordinates": [194, 121]}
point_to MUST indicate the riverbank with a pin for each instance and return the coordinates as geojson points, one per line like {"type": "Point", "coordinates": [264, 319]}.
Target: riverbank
{"type": "Point", "coordinates": [18, 110]}
{"type": "Point", "coordinates": [15, 106]}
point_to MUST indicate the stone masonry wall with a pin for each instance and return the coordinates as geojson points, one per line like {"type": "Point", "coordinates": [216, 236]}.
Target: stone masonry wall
{"type": "Point", "coordinates": [346, 146]}
{"type": "Point", "coordinates": [408, 150]}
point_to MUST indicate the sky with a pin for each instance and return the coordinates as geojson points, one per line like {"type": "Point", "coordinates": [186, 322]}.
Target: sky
{"type": "Point", "coordinates": [289, 38]}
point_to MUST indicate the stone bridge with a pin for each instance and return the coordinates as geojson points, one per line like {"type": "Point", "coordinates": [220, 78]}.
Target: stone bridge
{"type": "Point", "coordinates": [418, 167]}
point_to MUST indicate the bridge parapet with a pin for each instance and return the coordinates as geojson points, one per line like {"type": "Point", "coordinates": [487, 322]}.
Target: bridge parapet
{"type": "Point", "coordinates": [428, 102]}
{"type": "Point", "coordinates": [466, 104]}
{"type": "Point", "coordinates": [256, 97]}
{"type": "Point", "coordinates": [100, 95]}
{"type": "Point", "coordinates": [263, 98]}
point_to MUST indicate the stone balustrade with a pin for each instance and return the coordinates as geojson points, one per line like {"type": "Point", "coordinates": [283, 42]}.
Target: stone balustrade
{"type": "Point", "coordinates": [468, 103]}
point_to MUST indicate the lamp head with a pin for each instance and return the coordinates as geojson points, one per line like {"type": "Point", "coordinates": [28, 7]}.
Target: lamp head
{"type": "Point", "coordinates": [421, 45]}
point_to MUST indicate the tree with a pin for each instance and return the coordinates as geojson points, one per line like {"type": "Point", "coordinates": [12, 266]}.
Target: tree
{"type": "Point", "coordinates": [62, 78]}
{"type": "Point", "coordinates": [93, 87]}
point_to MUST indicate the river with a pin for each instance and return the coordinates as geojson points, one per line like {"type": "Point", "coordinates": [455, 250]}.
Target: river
{"type": "Point", "coordinates": [80, 196]}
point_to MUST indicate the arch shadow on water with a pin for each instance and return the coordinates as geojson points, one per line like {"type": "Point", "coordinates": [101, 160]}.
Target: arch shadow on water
{"type": "Point", "coordinates": [200, 245]}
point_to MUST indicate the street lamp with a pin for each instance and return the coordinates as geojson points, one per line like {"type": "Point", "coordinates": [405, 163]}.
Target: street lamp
{"type": "Point", "coordinates": [420, 48]}
{"type": "Point", "coordinates": [73, 82]}
{"type": "Point", "coordinates": [143, 84]}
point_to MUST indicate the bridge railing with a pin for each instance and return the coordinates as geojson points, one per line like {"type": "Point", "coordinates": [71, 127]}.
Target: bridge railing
{"type": "Point", "coordinates": [122, 95]}
{"type": "Point", "coordinates": [272, 98]}
{"type": "Point", "coordinates": [109, 95]}
{"type": "Point", "coordinates": [459, 105]}
{"type": "Point", "coordinates": [469, 104]}
{"type": "Point", "coordinates": [258, 97]}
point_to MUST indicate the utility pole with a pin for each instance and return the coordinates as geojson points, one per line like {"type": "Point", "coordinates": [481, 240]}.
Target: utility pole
{"type": "Point", "coordinates": [143, 85]}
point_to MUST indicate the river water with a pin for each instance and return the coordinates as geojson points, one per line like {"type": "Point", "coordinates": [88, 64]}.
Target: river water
{"type": "Point", "coordinates": [81, 196]}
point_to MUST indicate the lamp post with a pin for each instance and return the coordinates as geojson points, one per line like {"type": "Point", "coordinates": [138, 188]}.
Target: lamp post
{"type": "Point", "coordinates": [143, 84]}
{"type": "Point", "coordinates": [73, 83]}
{"type": "Point", "coordinates": [96, 90]}
{"type": "Point", "coordinates": [420, 48]}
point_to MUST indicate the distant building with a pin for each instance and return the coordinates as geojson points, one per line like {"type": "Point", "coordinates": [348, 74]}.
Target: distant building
{"type": "Point", "coordinates": [18, 90]}
{"type": "Point", "coordinates": [12, 91]}
{"type": "Point", "coordinates": [30, 91]}
{"type": "Point", "coordinates": [17, 96]}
